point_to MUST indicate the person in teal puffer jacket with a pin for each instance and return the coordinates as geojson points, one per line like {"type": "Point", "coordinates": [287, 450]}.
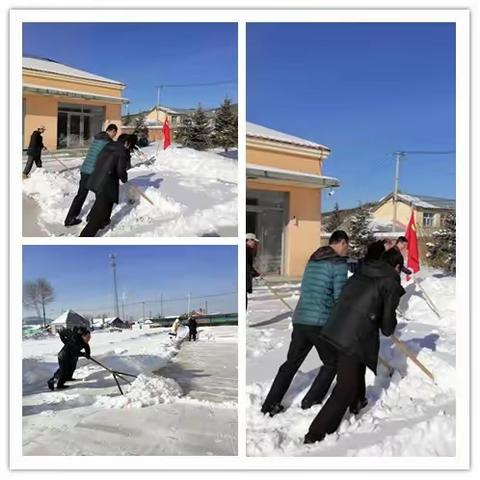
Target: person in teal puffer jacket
{"type": "Point", "coordinates": [323, 280]}
{"type": "Point", "coordinates": [99, 141]}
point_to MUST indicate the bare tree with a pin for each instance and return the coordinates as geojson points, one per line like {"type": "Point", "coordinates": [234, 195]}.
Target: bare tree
{"type": "Point", "coordinates": [37, 295]}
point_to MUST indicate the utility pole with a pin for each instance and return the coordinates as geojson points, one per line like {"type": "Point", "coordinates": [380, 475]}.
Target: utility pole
{"type": "Point", "coordinates": [159, 88]}
{"type": "Point", "coordinates": [114, 268]}
{"type": "Point", "coordinates": [143, 311]}
{"type": "Point", "coordinates": [161, 304]}
{"type": "Point", "coordinates": [123, 306]}
{"type": "Point", "coordinates": [188, 304]}
{"type": "Point", "coordinates": [398, 156]}
{"type": "Point", "coordinates": [206, 307]}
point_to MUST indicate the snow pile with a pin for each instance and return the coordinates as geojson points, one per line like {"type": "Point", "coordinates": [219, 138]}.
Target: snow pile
{"type": "Point", "coordinates": [193, 193]}
{"type": "Point", "coordinates": [407, 414]}
{"type": "Point", "coordinates": [143, 392]}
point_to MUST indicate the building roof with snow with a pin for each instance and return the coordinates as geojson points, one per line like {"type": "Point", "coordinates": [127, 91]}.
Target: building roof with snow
{"type": "Point", "coordinates": [264, 133]}
{"type": "Point", "coordinates": [422, 201]}
{"type": "Point", "coordinates": [51, 66]}
{"type": "Point", "coordinates": [70, 318]}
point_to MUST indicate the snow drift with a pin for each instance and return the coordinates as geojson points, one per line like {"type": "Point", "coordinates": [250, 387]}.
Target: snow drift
{"type": "Point", "coordinates": [193, 193]}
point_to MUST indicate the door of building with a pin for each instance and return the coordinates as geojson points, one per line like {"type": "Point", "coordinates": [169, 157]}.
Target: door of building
{"type": "Point", "coordinates": [77, 124]}
{"type": "Point", "coordinates": [267, 214]}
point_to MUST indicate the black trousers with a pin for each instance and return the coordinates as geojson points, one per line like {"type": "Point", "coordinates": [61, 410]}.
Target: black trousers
{"type": "Point", "coordinates": [350, 386]}
{"type": "Point", "coordinates": [66, 366]}
{"type": "Point", "coordinates": [79, 199]}
{"type": "Point", "coordinates": [30, 159]}
{"type": "Point", "coordinates": [304, 337]}
{"type": "Point", "coordinates": [98, 216]}
{"type": "Point", "coordinates": [192, 335]}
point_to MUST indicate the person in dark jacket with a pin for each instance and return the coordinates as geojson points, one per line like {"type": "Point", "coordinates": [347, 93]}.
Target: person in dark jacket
{"type": "Point", "coordinates": [251, 245]}
{"type": "Point", "coordinates": [192, 329]}
{"type": "Point", "coordinates": [100, 140]}
{"type": "Point", "coordinates": [366, 306]}
{"type": "Point", "coordinates": [323, 280]}
{"type": "Point", "coordinates": [34, 152]}
{"type": "Point", "coordinates": [74, 341]}
{"type": "Point", "coordinates": [111, 167]}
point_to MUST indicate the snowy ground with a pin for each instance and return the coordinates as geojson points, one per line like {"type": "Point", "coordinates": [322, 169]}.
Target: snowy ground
{"type": "Point", "coordinates": [183, 402]}
{"type": "Point", "coordinates": [407, 415]}
{"type": "Point", "coordinates": [194, 194]}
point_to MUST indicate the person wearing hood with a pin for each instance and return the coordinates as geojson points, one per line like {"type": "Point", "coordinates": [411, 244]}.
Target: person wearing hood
{"type": "Point", "coordinates": [367, 305]}
{"type": "Point", "coordinates": [100, 140]}
{"type": "Point", "coordinates": [323, 280]}
{"type": "Point", "coordinates": [251, 250]}
{"type": "Point", "coordinates": [74, 342]}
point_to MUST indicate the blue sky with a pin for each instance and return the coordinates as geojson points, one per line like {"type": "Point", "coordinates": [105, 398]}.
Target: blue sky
{"type": "Point", "coordinates": [144, 55]}
{"type": "Point", "coordinates": [83, 280]}
{"type": "Point", "coordinates": [365, 91]}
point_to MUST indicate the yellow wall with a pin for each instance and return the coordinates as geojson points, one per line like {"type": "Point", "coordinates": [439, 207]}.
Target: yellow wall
{"type": "Point", "coordinates": [385, 212]}
{"type": "Point", "coordinates": [43, 110]}
{"type": "Point", "coordinates": [152, 116]}
{"type": "Point", "coordinates": [302, 234]}
{"type": "Point", "coordinates": [286, 161]}
{"type": "Point", "coordinates": [40, 110]}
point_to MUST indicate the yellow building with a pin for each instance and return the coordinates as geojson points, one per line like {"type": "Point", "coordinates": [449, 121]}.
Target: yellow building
{"type": "Point", "coordinates": [73, 104]}
{"type": "Point", "coordinates": [429, 212]}
{"type": "Point", "coordinates": [284, 184]}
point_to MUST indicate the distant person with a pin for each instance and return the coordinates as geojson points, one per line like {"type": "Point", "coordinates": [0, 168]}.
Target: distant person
{"type": "Point", "coordinates": [367, 304]}
{"type": "Point", "coordinates": [74, 341]}
{"type": "Point", "coordinates": [34, 151]}
{"type": "Point", "coordinates": [88, 166]}
{"type": "Point", "coordinates": [192, 329]}
{"type": "Point", "coordinates": [111, 168]}
{"type": "Point", "coordinates": [251, 245]}
{"type": "Point", "coordinates": [174, 327]}
{"type": "Point", "coordinates": [323, 281]}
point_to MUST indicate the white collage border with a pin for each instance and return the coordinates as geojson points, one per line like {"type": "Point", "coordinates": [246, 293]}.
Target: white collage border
{"type": "Point", "coordinates": [241, 17]}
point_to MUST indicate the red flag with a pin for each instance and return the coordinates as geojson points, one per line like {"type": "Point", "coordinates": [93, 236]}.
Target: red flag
{"type": "Point", "coordinates": [413, 262]}
{"type": "Point", "coordinates": [166, 134]}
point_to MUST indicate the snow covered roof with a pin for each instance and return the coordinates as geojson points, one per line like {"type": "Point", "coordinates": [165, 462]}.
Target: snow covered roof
{"type": "Point", "coordinates": [267, 173]}
{"type": "Point", "coordinates": [51, 66]}
{"type": "Point", "coordinates": [424, 201]}
{"type": "Point", "coordinates": [259, 131]}
{"type": "Point", "coordinates": [106, 321]}
{"type": "Point", "coordinates": [70, 316]}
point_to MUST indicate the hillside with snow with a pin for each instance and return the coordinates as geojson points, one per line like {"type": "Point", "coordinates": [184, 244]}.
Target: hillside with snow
{"type": "Point", "coordinates": [193, 194]}
{"type": "Point", "coordinates": [407, 413]}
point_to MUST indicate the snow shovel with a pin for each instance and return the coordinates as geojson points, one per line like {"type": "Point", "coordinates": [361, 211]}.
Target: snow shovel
{"type": "Point", "coordinates": [403, 348]}
{"type": "Point", "coordinates": [147, 161]}
{"type": "Point", "coordinates": [428, 300]}
{"type": "Point", "coordinates": [139, 192]}
{"type": "Point", "coordinates": [115, 374]}
{"type": "Point", "coordinates": [380, 359]}
{"type": "Point", "coordinates": [65, 166]}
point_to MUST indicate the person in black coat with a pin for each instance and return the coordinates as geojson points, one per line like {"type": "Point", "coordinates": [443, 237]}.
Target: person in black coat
{"type": "Point", "coordinates": [251, 245]}
{"type": "Point", "coordinates": [366, 306]}
{"type": "Point", "coordinates": [74, 342]}
{"type": "Point", "coordinates": [192, 329]}
{"type": "Point", "coordinates": [111, 168]}
{"type": "Point", "coordinates": [34, 151]}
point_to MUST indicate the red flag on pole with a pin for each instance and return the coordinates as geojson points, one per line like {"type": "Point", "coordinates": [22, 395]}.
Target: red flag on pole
{"type": "Point", "coordinates": [166, 134]}
{"type": "Point", "coordinates": [413, 262]}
